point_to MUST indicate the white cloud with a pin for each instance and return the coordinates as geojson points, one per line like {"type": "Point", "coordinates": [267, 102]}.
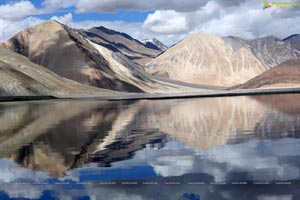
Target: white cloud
{"type": "Point", "coordinates": [11, 172]}
{"type": "Point", "coordinates": [141, 5]}
{"type": "Point", "coordinates": [65, 19]}
{"type": "Point", "coordinates": [246, 19]}
{"type": "Point", "coordinates": [170, 21]}
{"type": "Point", "coordinates": [56, 4]}
{"type": "Point", "coordinates": [23, 191]}
{"type": "Point", "coordinates": [9, 28]}
{"type": "Point", "coordinates": [16, 10]}
{"type": "Point", "coordinates": [166, 22]}
{"type": "Point", "coordinates": [176, 165]}
{"type": "Point", "coordinates": [275, 197]}
{"type": "Point", "coordinates": [221, 163]}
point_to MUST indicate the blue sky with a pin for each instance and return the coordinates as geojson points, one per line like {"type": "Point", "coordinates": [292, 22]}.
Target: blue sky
{"type": "Point", "coordinates": [129, 16]}
{"type": "Point", "coordinates": [167, 20]}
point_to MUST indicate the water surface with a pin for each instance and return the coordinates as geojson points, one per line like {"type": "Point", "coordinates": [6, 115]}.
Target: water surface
{"type": "Point", "coordinates": [208, 148]}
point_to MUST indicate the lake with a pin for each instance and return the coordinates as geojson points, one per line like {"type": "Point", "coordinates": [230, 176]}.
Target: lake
{"type": "Point", "coordinates": [202, 148]}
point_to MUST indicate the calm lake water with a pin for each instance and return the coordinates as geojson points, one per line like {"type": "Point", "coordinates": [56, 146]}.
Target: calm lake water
{"type": "Point", "coordinates": [197, 149]}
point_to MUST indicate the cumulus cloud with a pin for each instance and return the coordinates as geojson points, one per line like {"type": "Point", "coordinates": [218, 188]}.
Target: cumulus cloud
{"type": "Point", "coordinates": [9, 28]}
{"type": "Point", "coordinates": [56, 4]}
{"type": "Point", "coordinates": [166, 22]}
{"type": "Point", "coordinates": [238, 18]}
{"type": "Point", "coordinates": [249, 21]}
{"type": "Point", "coordinates": [229, 3]}
{"type": "Point", "coordinates": [22, 191]}
{"type": "Point", "coordinates": [65, 19]}
{"type": "Point", "coordinates": [141, 5]}
{"type": "Point", "coordinates": [11, 172]}
{"type": "Point", "coordinates": [275, 197]}
{"type": "Point", "coordinates": [169, 21]}
{"type": "Point", "coordinates": [16, 10]}
{"type": "Point", "coordinates": [175, 19]}
{"type": "Point", "coordinates": [223, 163]}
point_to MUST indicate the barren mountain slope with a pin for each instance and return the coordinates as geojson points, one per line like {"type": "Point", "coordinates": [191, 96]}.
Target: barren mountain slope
{"type": "Point", "coordinates": [270, 51]}
{"type": "Point", "coordinates": [21, 77]}
{"type": "Point", "coordinates": [286, 74]}
{"type": "Point", "coordinates": [206, 59]}
{"type": "Point", "coordinates": [294, 41]}
{"type": "Point", "coordinates": [69, 54]}
{"type": "Point", "coordinates": [122, 43]}
{"type": "Point", "coordinates": [154, 44]}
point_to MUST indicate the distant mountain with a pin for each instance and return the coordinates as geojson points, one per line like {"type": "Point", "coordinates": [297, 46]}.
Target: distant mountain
{"type": "Point", "coordinates": [118, 42]}
{"type": "Point", "coordinates": [294, 41]}
{"type": "Point", "coordinates": [66, 52]}
{"type": "Point", "coordinates": [286, 74]}
{"type": "Point", "coordinates": [270, 51]}
{"type": "Point", "coordinates": [154, 44]}
{"type": "Point", "coordinates": [207, 59]}
{"type": "Point", "coordinates": [20, 77]}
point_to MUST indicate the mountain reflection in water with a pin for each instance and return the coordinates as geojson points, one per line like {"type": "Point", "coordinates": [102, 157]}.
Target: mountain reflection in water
{"type": "Point", "coordinates": [228, 139]}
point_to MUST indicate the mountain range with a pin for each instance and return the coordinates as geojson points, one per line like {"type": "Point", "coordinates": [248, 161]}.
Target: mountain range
{"type": "Point", "coordinates": [137, 51]}
{"type": "Point", "coordinates": [69, 54]}
{"type": "Point", "coordinates": [52, 59]}
{"type": "Point", "coordinates": [206, 59]}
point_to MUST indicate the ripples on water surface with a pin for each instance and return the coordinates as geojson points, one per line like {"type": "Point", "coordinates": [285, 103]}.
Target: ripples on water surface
{"type": "Point", "coordinates": [173, 149]}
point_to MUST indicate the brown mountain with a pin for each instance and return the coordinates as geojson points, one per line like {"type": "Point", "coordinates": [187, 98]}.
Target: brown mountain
{"type": "Point", "coordinates": [20, 77]}
{"type": "Point", "coordinates": [118, 42]}
{"type": "Point", "coordinates": [294, 41]}
{"type": "Point", "coordinates": [70, 55]}
{"type": "Point", "coordinates": [207, 59]}
{"type": "Point", "coordinates": [286, 74]}
{"type": "Point", "coordinates": [270, 50]}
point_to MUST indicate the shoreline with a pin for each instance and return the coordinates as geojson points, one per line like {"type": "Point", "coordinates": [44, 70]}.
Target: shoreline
{"type": "Point", "coordinates": [222, 93]}
{"type": "Point", "coordinates": [159, 96]}
{"type": "Point", "coordinates": [25, 98]}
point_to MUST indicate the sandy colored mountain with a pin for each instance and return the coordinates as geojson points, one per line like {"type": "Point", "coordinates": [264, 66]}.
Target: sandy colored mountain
{"type": "Point", "coordinates": [20, 77]}
{"type": "Point", "coordinates": [70, 55]}
{"type": "Point", "coordinates": [294, 41]}
{"type": "Point", "coordinates": [270, 50]}
{"type": "Point", "coordinates": [131, 48]}
{"type": "Point", "coordinates": [284, 75]}
{"type": "Point", "coordinates": [206, 59]}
